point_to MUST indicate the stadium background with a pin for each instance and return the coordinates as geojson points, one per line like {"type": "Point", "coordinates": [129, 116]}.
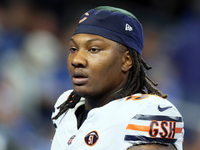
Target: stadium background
{"type": "Point", "coordinates": [34, 37]}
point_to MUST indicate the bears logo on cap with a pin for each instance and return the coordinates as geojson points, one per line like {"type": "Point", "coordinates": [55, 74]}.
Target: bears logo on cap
{"type": "Point", "coordinates": [91, 138]}
{"type": "Point", "coordinates": [84, 18]}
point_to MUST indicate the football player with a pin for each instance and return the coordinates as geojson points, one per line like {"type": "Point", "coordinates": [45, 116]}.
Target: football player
{"type": "Point", "coordinates": [114, 105]}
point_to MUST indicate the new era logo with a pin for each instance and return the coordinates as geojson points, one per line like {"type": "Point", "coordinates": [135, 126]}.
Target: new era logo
{"type": "Point", "coordinates": [128, 27]}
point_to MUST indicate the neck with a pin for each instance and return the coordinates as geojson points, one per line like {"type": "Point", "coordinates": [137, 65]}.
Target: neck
{"type": "Point", "coordinates": [101, 100]}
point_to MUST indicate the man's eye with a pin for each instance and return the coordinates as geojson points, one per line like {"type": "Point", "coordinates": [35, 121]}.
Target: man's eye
{"type": "Point", "coordinates": [94, 50]}
{"type": "Point", "coordinates": [72, 49]}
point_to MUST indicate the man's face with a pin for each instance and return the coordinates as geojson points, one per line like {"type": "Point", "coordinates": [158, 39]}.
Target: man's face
{"type": "Point", "coordinates": [95, 65]}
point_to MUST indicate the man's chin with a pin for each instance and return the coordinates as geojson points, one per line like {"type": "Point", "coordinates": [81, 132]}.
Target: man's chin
{"type": "Point", "coordinates": [83, 93]}
{"type": "Point", "coordinates": [80, 92]}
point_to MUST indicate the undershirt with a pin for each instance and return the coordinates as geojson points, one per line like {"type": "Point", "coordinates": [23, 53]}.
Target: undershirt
{"type": "Point", "coordinates": [81, 115]}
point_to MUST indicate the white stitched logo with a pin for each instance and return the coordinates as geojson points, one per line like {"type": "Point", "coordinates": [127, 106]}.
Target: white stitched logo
{"type": "Point", "coordinates": [128, 27]}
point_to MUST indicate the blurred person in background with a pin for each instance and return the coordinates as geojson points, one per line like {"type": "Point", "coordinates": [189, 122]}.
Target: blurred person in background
{"type": "Point", "coordinates": [32, 73]}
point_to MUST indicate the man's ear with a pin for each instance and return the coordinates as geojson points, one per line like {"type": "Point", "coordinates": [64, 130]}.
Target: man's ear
{"type": "Point", "coordinates": [127, 62]}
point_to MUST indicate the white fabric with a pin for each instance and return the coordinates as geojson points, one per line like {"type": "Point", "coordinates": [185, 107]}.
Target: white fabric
{"type": "Point", "coordinates": [110, 124]}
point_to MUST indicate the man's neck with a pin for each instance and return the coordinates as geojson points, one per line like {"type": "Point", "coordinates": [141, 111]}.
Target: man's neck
{"type": "Point", "coordinates": [99, 101]}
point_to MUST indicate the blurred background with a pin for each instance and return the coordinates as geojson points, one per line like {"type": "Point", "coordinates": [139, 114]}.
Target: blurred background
{"type": "Point", "coordinates": [34, 37]}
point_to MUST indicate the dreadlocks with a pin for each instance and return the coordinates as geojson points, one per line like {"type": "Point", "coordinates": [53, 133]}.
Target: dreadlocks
{"type": "Point", "coordinates": [136, 83]}
{"type": "Point", "coordinates": [138, 78]}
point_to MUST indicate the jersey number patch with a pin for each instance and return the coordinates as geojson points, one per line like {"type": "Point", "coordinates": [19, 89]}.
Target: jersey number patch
{"type": "Point", "coordinates": [91, 138]}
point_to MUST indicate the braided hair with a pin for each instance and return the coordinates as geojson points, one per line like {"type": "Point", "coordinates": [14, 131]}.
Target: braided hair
{"type": "Point", "coordinates": [138, 82]}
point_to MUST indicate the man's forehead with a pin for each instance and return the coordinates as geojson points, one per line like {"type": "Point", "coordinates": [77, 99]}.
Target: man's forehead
{"type": "Point", "coordinates": [90, 38]}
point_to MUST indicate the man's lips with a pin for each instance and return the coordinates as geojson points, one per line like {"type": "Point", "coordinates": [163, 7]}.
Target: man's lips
{"type": "Point", "coordinates": [79, 78]}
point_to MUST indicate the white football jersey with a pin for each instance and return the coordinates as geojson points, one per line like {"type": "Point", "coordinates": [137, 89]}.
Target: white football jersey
{"type": "Point", "coordinates": [120, 124]}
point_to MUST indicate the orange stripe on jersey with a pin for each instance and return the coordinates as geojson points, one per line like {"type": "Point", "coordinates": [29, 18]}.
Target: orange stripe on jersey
{"type": "Point", "coordinates": [138, 97]}
{"type": "Point", "coordinates": [138, 127]}
{"type": "Point", "coordinates": [146, 128]}
{"type": "Point", "coordinates": [178, 130]}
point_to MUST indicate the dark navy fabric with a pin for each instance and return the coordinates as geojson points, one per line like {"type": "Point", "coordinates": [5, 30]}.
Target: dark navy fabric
{"type": "Point", "coordinates": [150, 140]}
{"type": "Point", "coordinates": [112, 25]}
{"type": "Point", "coordinates": [158, 118]}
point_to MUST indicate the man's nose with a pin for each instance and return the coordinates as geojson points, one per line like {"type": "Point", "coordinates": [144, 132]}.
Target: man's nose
{"type": "Point", "coordinates": [80, 59]}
